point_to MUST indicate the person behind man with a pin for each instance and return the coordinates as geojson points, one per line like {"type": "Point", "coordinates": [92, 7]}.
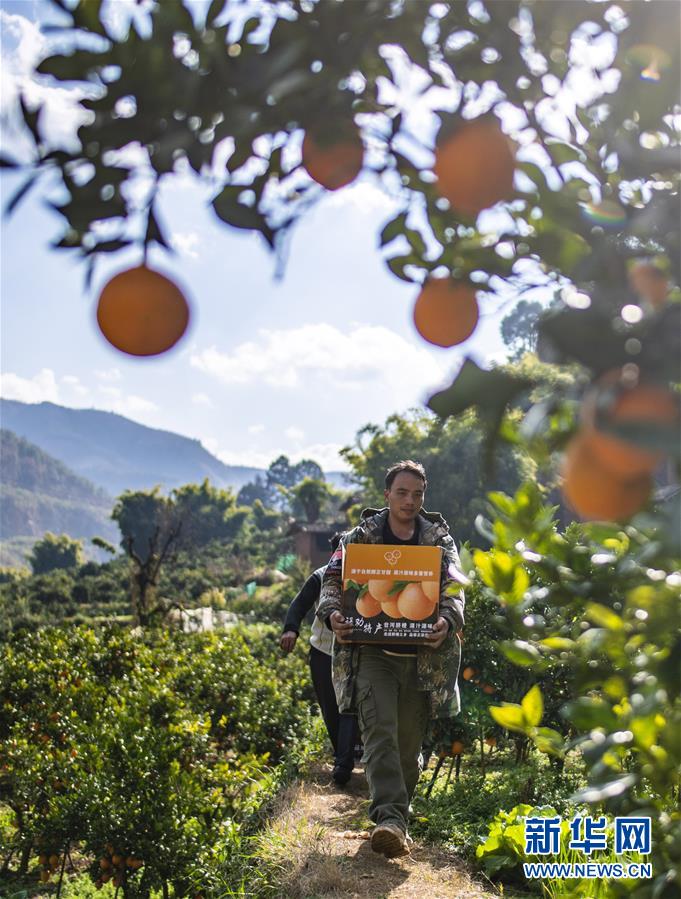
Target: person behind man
{"type": "Point", "coordinates": [342, 728]}
{"type": "Point", "coordinates": [394, 688]}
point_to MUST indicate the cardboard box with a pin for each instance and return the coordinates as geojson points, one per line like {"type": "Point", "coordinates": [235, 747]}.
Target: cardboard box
{"type": "Point", "coordinates": [391, 593]}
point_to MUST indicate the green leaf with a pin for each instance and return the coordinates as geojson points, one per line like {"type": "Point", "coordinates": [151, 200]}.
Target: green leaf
{"type": "Point", "coordinates": [228, 208]}
{"type": "Point", "coordinates": [532, 702]}
{"type": "Point", "coordinates": [561, 152]}
{"type": "Point", "coordinates": [535, 173]}
{"type": "Point", "coordinates": [549, 741]}
{"type": "Point", "coordinates": [489, 391]}
{"type": "Point", "coordinates": [393, 229]}
{"type": "Point", "coordinates": [603, 616]}
{"type": "Point", "coordinates": [397, 265]}
{"type": "Point", "coordinates": [509, 715]}
{"type": "Point", "coordinates": [519, 652]}
{"type": "Point", "coordinates": [416, 242]}
{"type": "Point", "coordinates": [588, 712]}
{"type": "Point", "coordinates": [74, 67]}
{"type": "Point", "coordinates": [559, 643]}
{"type": "Point", "coordinates": [214, 10]}
{"type": "Point", "coordinates": [19, 195]}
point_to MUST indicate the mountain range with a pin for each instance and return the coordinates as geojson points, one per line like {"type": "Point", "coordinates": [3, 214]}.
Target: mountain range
{"type": "Point", "coordinates": [116, 453]}
{"type": "Point", "coordinates": [61, 468]}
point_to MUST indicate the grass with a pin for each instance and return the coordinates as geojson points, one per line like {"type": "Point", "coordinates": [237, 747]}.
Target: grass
{"type": "Point", "coordinates": [457, 814]}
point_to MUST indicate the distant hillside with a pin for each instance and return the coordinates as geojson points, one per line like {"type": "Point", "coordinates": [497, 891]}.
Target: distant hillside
{"type": "Point", "coordinates": [116, 453]}
{"type": "Point", "coordinates": [39, 493]}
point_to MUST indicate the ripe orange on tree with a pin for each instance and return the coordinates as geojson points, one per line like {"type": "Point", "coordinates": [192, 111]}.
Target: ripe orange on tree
{"type": "Point", "coordinates": [468, 673]}
{"type": "Point", "coordinates": [457, 747]}
{"type": "Point", "coordinates": [142, 312]}
{"type": "Point", "coordinates": [333, 160]}
{"type": "Point", "coordinates": [446, 312]}
{"type": "Point", "coordinates": [650, 283]}
{"type": "Point", "coordinates": [474, 165]}
{"type": "Point", "coordinates": [643, 403]}
{"type": "Point", "coordinates": [594, 492]}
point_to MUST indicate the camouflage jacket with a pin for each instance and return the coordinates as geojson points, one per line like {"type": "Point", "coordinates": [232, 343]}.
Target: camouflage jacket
{"type": "Point", "coordinates": [437, 669]}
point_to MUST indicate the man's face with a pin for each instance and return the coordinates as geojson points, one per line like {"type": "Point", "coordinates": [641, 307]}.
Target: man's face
{"type": "Point", "coordinates": [405, 496]}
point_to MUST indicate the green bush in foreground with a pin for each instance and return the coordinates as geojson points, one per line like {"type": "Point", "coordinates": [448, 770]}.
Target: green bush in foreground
{"type": "Point", "coordinates": [149, 755]}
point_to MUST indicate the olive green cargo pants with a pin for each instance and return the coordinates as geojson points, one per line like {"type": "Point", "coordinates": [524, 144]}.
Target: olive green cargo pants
{"type": "Point", "coordinates": [393, 716]}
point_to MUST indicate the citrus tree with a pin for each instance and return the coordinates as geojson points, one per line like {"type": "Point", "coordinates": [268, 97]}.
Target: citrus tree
{"type": "Point", "coordinates": [540, 151]}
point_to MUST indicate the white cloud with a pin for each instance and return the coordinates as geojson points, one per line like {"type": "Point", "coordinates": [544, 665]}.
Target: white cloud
{"type": "Point", "coordinates": [202, 399]}
{"type": "Point", "coordinates": [109, 374]}
{"type": "Point", "coordinates": [363, 356]}
{"type": "Point", "coordinates": [325, 454]}
{"type": "Point", "coordinates": [256, 429]}
{"type": "Point", "coordinates": [250, 458]}
{"type": "Point", "coordinates": [134, 405]}
{"type": "Point", "coordinates": [294, 434]}
{"type": "Point", "coordinates": [40, 388]}
{"type": "Point", "coordinates": [73, 384]}
{"type": "Point", "coordinates": [69, 391]}
{"type": "Point", "coordinates": [186, 244]}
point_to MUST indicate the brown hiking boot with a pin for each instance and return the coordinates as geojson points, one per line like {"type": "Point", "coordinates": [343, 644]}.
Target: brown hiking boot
{"type": "Point", "coordinates": [390, 840]}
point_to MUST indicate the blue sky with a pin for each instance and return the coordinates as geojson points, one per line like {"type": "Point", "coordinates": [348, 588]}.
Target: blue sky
{"type": "Point", "coordinates": [292, 366]}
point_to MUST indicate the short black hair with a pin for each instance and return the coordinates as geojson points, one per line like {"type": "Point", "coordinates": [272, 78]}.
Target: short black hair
{"type": "Point", "coordinates": [410, 467]}
{"type": "Point", "coordinates": [335, 540]}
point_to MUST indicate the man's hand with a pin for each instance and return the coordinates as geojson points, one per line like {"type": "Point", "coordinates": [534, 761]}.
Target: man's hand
{"type": "Point", "coordinates": [340, 627]}
{"type": "Point", "coordinates": [437, 636]}
{"type": "Point", "coordinates": [288, 640]}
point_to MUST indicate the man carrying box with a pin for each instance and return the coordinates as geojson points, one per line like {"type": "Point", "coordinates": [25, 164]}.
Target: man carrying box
{"type": "Point", "coordinates": [395, 688]}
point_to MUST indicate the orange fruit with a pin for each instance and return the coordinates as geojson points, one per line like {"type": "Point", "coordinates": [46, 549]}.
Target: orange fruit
{"type": "Point", "coordinates": [488, 688]}
{"type": "Point", "coordinates": [446, 312]}
{"type": "Point", "coordinates": [644, 403]}
{"type": "Point", "coordinates": [104, 864]}
{"type": "Point", "coordinates": [491, 741]}
{"type": "Point", "coordinates": [432, 590]}
{"type": "Point", "coordinates": [594, 492]}
{"type": "Point", "coordinates": [333, 165]}
{"type": "Point", "coordinates": [651, 284]}
{"type": "Point", "coordinates": [474, 166]}
{"type": "Point", "coordinates": [54, 860]}
{"type": "Point", "coordinates": [413, 604]}
{"type": "Point", "coordinates": [468, 673]}
{"type": "Point", "coordinates": [391, 609]}
{"type": "Point", "coordinates": [141, 312]}
{"type": "Point", "coordinates": [457, 747]}
{"type": "Point", "coordinates": [379, 589]}
{"type": "Point", "coordinates": [367, 606]}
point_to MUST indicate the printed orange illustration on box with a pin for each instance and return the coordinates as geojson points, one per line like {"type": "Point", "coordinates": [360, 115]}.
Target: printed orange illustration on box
{"type": "Point", "coordinates": [391, 593]}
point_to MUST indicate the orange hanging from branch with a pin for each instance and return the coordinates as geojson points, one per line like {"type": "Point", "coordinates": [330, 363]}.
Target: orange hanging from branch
{"type": "Point", "coordinates": [446, 312]}
{"type": "Point", "coordinates": [475, 165]}
{"type": "Point", "coordinates": [141, 312]}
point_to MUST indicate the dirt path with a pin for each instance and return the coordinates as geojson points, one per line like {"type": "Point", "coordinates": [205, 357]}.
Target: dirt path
{"type": "Point", "coordinates": [316, 845]}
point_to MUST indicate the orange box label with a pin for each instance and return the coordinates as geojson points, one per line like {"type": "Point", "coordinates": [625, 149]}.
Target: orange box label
{"type": "Point", "coordinates": [391, 593]}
